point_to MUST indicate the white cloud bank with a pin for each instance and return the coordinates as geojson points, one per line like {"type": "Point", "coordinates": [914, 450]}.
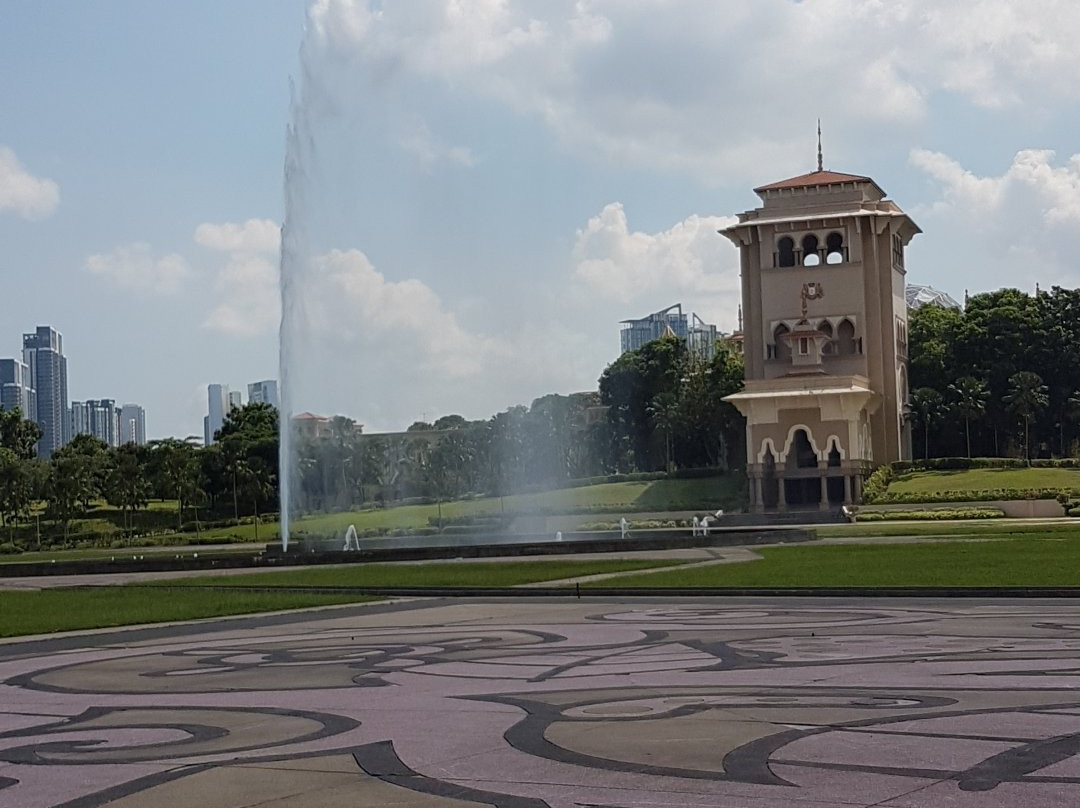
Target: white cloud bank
{"type": "Point", "coordinates": [701, 86]}
{"type": "Point", "coordinates": [135, 268]}
{"type": "Point", "coordinates": [21, 192]}
{"type": "Point", "coordinates": [689, 262]}
{"type": "Point", "coordinates": [248, 302]}
{"type": "Point", "coordinates": [1012, 229]}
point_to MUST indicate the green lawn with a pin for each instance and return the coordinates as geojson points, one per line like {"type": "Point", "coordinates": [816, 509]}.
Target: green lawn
{"type": "Point", "coordinates": [990, 529]}
{"type": "Point", "coordinates": [49, 610]}
{"type": "Point", "coordinates": [464, 574]}
{"type": "Point", "coordinates": [1049, 560]}
{"type": "Point", "coordinates": [927, 482]}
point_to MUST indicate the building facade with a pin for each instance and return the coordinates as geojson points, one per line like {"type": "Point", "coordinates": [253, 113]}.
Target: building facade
{"type": "Point", "coordinates": [264, 392]}
{"type": "Point", "coordinates": [700, 336]}
{"type": "Point", "coordinates": [16, 389]}
{"type": "Point", "coordinates": [218, 405]}
{"type": "Point", "coordinates": [98, 417]}
{"type": "Point", "coordinates": [132, 424]}
{"type": "Point", "coordinates": [43, 354]}
{"type": "Point", "coordinates": [824, 336]}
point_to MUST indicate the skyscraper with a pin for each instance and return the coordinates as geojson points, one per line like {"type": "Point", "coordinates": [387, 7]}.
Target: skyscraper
{"type": "Point", "coordinates": [97, 417]}
{"type": "Point", "coordinates": [132, 424]}
{"type": "Point", "coordinates": [43, 353]}
{"type": "Point", "coordinates": [16, 390]}
{"type": "Point", "coordinates": [264, 392]}
{"type": "Point", "coordinates": [218, 406]}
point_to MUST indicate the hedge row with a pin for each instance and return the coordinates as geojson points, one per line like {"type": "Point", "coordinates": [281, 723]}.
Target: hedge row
{"type": "Point", "coordinates": [968, 495]}
{"type": "Point", "coordinates": [924, 515]}
{"type": "Point", "coordinates": [966, 463]}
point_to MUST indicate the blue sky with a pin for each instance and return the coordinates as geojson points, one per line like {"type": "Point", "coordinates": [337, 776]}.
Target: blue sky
{"type": "Point", "coordinates": [502, 181]}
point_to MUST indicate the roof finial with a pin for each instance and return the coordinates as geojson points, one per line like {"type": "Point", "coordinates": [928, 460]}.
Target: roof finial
{"type": "Point", "coordinates": [820, 164]}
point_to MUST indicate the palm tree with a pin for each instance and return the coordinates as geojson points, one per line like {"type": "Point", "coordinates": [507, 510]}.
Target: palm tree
{"type": "Point", "coordinates": [664, 411]}
{"type": "Point", "coordinates": [926, 403]}
{"type": "Point", "coordinates": [1026, 397]}
{"type": "Point", "coordinates": [970, 402]}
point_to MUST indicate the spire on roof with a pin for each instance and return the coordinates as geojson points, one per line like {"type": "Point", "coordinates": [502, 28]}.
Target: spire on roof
{"type": "Point", "coordinates": [820, 163]}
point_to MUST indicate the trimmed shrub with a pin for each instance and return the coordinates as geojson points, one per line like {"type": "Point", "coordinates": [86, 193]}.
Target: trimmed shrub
{"type": "Point", "coordinates": [930, 515]}
{"type": "Point", "coordinates": [877, 484]}
{"type": "Point", "coordinates": [8, 548]}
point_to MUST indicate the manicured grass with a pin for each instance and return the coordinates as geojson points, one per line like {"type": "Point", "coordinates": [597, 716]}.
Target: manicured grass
{"type": "Point", "coordinates": [1037, 562]}
{"type": "Point", "coordinates": [49, 610]}
{"type": "Point", "coordinates": [656, 495]}
{"type": "Point", "coordinates": [475, 574]}
{"type": "Point", "coordinates": [990, 529]}
{"type": "Point", "coordinates": [927, 482]}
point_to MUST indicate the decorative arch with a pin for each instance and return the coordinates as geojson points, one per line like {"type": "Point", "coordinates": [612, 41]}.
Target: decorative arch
{"type": "Point", "coordinates": [782, 457]}
{"type": "Point", "coordinates": [767, 447]}
{"type": "Point", "coordinates": [834, 442]}
{"type": "Point", "coordinates": [845, 337]}
{"type": "Point", "coordinates": [785, 251]}
{"type": "Point", "coordinates": [810, 250]}
{"type": "Point", "coordinates": [834, 248]}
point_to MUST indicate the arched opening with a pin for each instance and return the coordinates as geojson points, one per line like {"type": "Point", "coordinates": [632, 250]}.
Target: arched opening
{"type": "Point", "coordinates": [770, 488]}
{"type": "Point", "coordinates": [828, 348]}
{"type": "Point", "coordinates": [810, 250]}
{"type": "Point", "coordinates": [781, 348]}
{"type": "Point", "coordinates": [835, 482]}
{"type": "Point", "coordinates": [834, 248]}
{"type": "Point", "coordinates": [785, 252]}
{"type": "Point", "coordinates": [802, 484]}
{"type": "Point", "coordinates": [845, 338]}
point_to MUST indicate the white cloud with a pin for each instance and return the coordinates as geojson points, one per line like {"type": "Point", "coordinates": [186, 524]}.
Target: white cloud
{"type": "Point", "coordinates": [404, 321]}
{"type": "Point", "coordinates": [248, 303]}
{"type": "Point", "coordinates": [135, 268]}
{"type": "Point", "coordinates": [1010, 229]}
{"type": "Point", "coordinates": [705, 87]}
{"type": "Point", "coordinates": [252, 236]}
{"type": "Point", "coordinates": [21, 192]}
{"type": "Point", "coordinates": [429, 150]}
{"type": "Point", "coordinates": [688, 262]}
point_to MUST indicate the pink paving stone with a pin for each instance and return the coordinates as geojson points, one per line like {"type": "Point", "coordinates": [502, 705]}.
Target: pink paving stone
{"type": "Point", "coordinates": [1006, 795]}
{"type": "Point", "coordinates": [880, 749]}
{"type": "Point", "coordinates": [997, 725]}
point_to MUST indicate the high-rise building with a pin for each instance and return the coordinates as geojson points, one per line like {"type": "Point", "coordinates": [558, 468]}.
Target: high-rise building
{"type": "Point", "coordinates": [218, 405]}
{"type": "Point", "coordinates": [236, 401]}
{"type": "Point", "coordinates": [825, 339]}
{"type": "Point", "coordinates": [16, 390]}
{"type": "Point", "coordinates": [264, 392]}
{"type": "Point", "coordinates": [97, 417]}
{"type": "Point", "coordinates": [700, 336]}
{"type": "Point", "coordinates": [132, 424]}
{"type": "Point", "coordinates": [43, 353]}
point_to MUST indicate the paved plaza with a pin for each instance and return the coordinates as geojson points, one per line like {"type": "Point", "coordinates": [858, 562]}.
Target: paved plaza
{"type": "Point", "coordinates": [529, 703]}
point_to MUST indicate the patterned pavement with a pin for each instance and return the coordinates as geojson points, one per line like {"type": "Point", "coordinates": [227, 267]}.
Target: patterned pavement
{"type": "Point", "coordinates": [563, 704]}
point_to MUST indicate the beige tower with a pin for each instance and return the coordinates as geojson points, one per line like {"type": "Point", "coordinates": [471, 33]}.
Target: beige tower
{"type": "Point", "coordinates": [825, 338]}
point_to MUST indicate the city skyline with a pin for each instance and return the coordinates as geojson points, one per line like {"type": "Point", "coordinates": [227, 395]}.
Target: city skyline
{"type": "Point", "coordinates": [507, 182]}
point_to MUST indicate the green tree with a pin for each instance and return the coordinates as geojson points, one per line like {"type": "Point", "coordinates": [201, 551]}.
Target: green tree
{"type": "Point", "coordinates": [969, 401]}
{"type": "Point", "coordinates": [1026, 398]}
{"type": "Point", "coordinates": [126, 486]}
{"type": "Point", "coordinates": [926, 404]}
{"type": "Point", "coordinates": [17, 434]}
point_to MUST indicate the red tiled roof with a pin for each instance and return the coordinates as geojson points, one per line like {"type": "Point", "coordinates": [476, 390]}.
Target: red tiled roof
{"type": "Point", "coordinates": [813, 178]}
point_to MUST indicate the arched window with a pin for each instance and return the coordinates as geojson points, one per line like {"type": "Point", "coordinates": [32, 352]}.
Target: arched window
{"type": "Point", "coordinates": [783, 350]}
{"type": "Point", "coordinates": [834, 455]}
{"type": "Point", "coordinates": [801, 454]}
{"type": "Point", "coordinates": [825, 327]}
{"type": "Point", "coordinates": [845, 338]}
{"type": "Point", "coordinates": [785, 252]}
{"type": "Point", "coordinates": [810, 250]}
{"type": "Point", "coordinates": [834, 248]}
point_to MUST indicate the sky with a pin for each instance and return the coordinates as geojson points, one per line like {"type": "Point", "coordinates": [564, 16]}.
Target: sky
{"type": "Point", "coordinates": [482, 190]}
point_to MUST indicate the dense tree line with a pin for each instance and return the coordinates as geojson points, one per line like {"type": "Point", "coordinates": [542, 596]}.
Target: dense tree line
{"type": "Point", "coordinates": [999, 378]}
{"type": "Point", "coordinates": [658, 408]}
{"type": "Point", "coordinates": [235, 477]}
